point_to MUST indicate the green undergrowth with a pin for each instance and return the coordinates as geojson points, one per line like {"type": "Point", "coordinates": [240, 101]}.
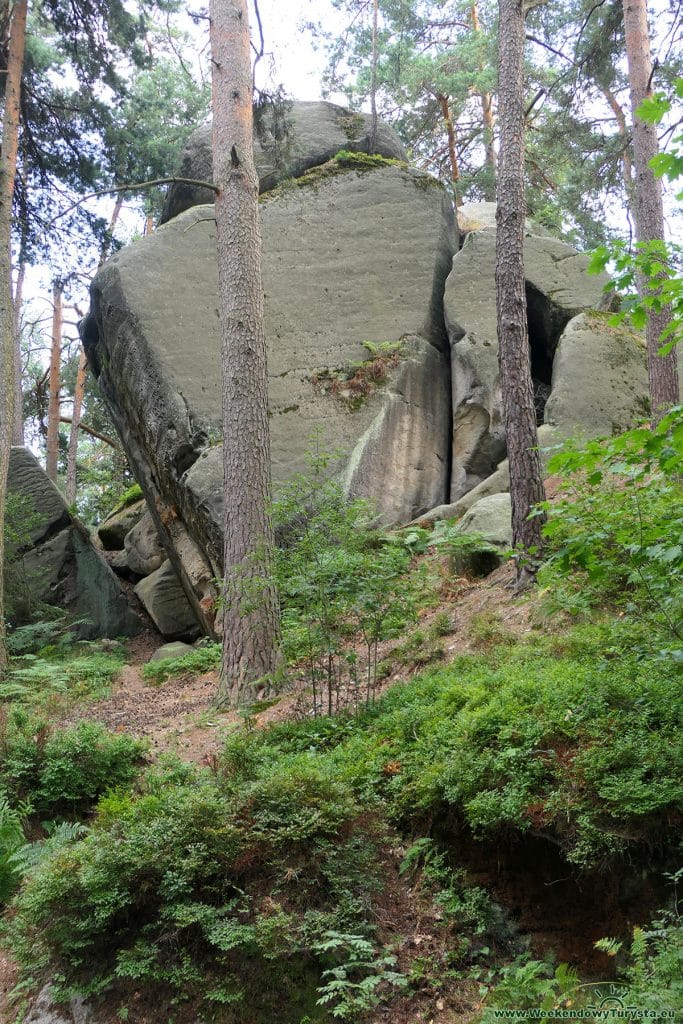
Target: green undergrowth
{"type": "Point", "coordinates": [203, 659]}
{"type": "Point", "coordinates": [60, 676]}
{"type": "Point", "coordinates": [61, 773]}
{"type": "Point", "coordinates": [247, 886]}
{"type": "Point", "coordinates": [572, 735]}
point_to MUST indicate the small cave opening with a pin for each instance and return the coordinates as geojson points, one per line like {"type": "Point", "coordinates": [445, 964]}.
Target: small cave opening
{"type": "Point", "coordinates": [545, 322]}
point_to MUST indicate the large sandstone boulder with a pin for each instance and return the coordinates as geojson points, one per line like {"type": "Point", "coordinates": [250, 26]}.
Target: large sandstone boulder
{"type": "Point", "coordinates": [350, 256]}
{"type": "Point", "coordinates": [60, 565]}
{"type": "Point", "coordinates": [599, 382]}
{"type": "Point", "coordinates": [558, 289]}
{"type": "Point", "coordinates": [287, 145]}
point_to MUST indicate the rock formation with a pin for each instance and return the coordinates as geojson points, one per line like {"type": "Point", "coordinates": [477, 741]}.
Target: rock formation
{"type": "Point", "coordinates": [355, 260]}
{"type": "Point", "coordinates": [287, 144]}
{"type": "Point", "coordinates": [59, 564]}
{"type": "Point", "coordinates": [381, 334]}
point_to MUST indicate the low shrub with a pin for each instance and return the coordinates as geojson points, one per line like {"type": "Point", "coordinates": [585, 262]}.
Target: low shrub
{"type": "Point", "coordinates": [219, 889]}
{"type": "Point", "coordinates": [63, 773]}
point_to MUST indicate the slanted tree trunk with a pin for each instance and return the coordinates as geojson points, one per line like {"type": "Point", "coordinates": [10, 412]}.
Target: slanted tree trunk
{"type": "Point", "coordinates": [648, 209]}
{"type": "Point", "coordinates": [250, 607]}
{"type": "Point", "coordinates": [8, 170]}
{"type": "Point", "coordinates": [53, 412]}
{"type": "Point", "coordinates": [526, 480]}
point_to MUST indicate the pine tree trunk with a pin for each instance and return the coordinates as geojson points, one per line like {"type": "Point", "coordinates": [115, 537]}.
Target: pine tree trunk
{"type": "Point", "coordinates": [250, 607]}
{"type": "Point", "coordinates": [486, 100]}
{"type": "Point", "coordinates": [53, 410]}
{"type": "Point", "coordinates": [18, 429]}
{"type": "Point", "coordinates": [526, 480]}
{"type": "Point", "coordinates": [452, 144]}
{"type": "Point", "coordinates": [71, 458]}
{"type": "Point", "coordinates": [8, 170]}
{"type": "Point", "coordinates": [649, 212]}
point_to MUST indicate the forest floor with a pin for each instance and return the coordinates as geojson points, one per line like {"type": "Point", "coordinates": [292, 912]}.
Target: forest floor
{"type": "Point", "coordinates": [177, 716]}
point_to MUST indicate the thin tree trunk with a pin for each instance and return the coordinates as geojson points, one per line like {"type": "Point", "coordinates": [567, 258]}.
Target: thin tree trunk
{"type": "Point", "coordinates": [452, 143]}
{"type": "Point", "coordinates": [79, 391]}
{"type": "Point", "coordinates": [486, 100]}
{"type": "Point", "coordinates": [373, 83]}
{"type": "Point", "coordinates": [8, 170]}
{"type": "Point", "coordinates": [526, 480]}
{"type": "Point", "coordinates": [18, 429]}
{"type": "Point", "coordinates": [626, 162]}
{"type": "Point", "coordinates": [149, 224]}
{"type": "Point", "coordinates": [250, 607]}
{"type": "Point", "coordinates": [55, 382]}
{"type": "Point", "coordinates": [648, 211]}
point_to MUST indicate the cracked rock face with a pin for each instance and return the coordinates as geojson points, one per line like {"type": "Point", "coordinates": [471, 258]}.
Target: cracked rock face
{"type": "Point", "coordinates": [349, 257]}
{"type": "Point", "coordinates": [558, 289]}
{"type": "Point", "coordinates": [60, 565]}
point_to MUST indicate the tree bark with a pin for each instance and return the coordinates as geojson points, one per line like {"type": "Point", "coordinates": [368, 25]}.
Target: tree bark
{"type": "Point", "coordinates": [8, 171]}
{"type": "Point", "coordinates": [55, 382]}
{"type": "Point", "coordinates": [526, 480]}
{"type": "Point", "coordinates": [648, 208]}
{"type": "Point", "coordinates": [250, 607]}
{"type": "Point", "coordinates": [452, 143]}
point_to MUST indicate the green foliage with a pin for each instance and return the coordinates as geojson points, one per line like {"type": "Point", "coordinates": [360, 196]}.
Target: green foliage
{"type": "Point", "coordinates": [339, 579]}
{"type": "Point", "coordinates": [220, 888]}
{"type": "Point", "coordinates": [352, 985]}
{"type": "Point", "coordinates": [58, 676]}
{"type": "Point", "coordinates": [63, 773]}
{"type": "Point", "coordinates": [574, 737]}
{"type": "Point", "coordinates": [615, 538]}
{"type": "Point", "coordinates": [533, 984]}
{"type": "Point", "coordinates": [11, 841]}
{"type": "Point", "coordinates": [657, 263]}
{"type": "Point", "coordinates": [202, 659]}
{"type": "Point", "coordinates": [653, 974]}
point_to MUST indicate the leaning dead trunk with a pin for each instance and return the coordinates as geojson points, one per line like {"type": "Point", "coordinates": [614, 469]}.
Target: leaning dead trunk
{"type": "Point", "coordinates": [526, 480]}
{"type": "Point", "coordinates": [250, 608]}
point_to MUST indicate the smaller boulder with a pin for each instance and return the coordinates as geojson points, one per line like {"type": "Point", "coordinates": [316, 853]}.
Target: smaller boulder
{"type": "Point", "coordinates": [144, 553]}
{"type": "Point", "coordinates": [176, 649]}
{"type": "Point", "coordinates": [491, 518]}
{"type": "Point", "coordinates": [167, 605]}
{"type": "Point", "coordinates": [112, 530]}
